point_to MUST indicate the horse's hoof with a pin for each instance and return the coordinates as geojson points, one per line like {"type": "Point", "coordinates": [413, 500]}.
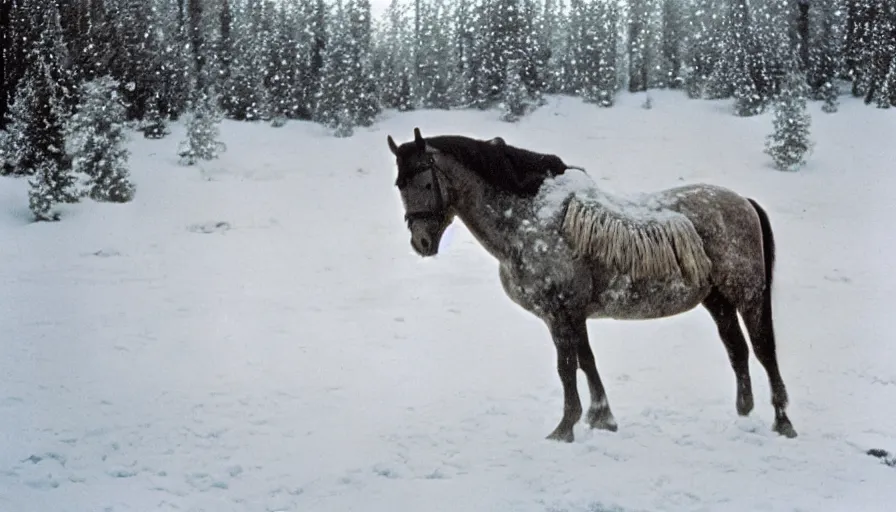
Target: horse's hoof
{"type": "Point", "coordinates": [565, 436]}
{"type": "Point", "coordinates": [604, 425]}
{"type": "Point", "coordinates": [744, 406]}
{"type": "Point", "coordinates": [785, 428]}
{"type": "Point", "coordinates": [602, 420]}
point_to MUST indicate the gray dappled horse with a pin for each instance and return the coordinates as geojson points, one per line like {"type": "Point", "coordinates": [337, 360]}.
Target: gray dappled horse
{"type": "Point", "coordinates": [569, 252]}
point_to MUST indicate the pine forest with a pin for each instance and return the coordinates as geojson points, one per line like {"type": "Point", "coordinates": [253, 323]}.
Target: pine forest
{"type": "Point", "coordinates": [331, 62]}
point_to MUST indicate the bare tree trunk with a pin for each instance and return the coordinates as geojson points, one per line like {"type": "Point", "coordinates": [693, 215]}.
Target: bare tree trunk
{"type": "Point", "coordinates": [197, 42]}
{"type": "Point", "coordinates": [6, 87]}
{"type": "Point", "coordinates": [802, 29]}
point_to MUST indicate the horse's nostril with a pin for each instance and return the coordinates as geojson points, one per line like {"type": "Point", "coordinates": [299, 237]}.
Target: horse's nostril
{"type": "Point", "coordinates": [424, 243]}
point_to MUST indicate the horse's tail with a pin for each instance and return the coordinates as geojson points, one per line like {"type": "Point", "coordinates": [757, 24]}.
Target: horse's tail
{"type": "Point", "coordinates": [768, 248]}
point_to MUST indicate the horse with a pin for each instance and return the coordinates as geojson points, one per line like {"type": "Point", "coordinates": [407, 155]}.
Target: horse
{"type": "Point", "coordinates": [569, 252]}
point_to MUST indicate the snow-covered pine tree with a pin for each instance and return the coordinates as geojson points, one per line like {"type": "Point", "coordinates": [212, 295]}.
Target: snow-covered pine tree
{"type": "Point", "coordinates": [39, 116]}
{"type": "Point", "coordinates": [747, 101]}
{"type": "Point", "coordinates": [334, 97]}
{"type": "Point", "coordinates": [584, 47]}
{"type": "Point", "coordinates": [609, 66]}
{"type": "Point", "coordinates": [466, 81]}
{"type": "Point", "coordinates": [96, 141]}
{"type": "Point", "coordinates": [286, 42]}
{"type": "Point", "coordinates": [364, 103]}
{"type": "Point", "coordinates": [11, 139]}
{"type": "Point", "coordinates": [348, 95]}
{"type": "Point", "coordinates": [645, 45]}
{"type": "Point", "coordinates": [825, 36]}
{"type": "Point", "coordinates": [700, 53]}
{"type": "Point", "coordinates": [884, 96]}
{"type": "Point", "coordinates": [887, 94]}
{"type": "Point", "coordinates": [481, 59]}
{"type": "Point", "coordinates": [596, 52]}
{"type": "Point", "coordinates": [855, 45]}
{"type": "Point", "coordinates": [538, 52]}
{"type": "Point", "coordinates": [674, 41]}
{"type": "Point", "coordinates": [790, 144]}
{"type": "Point", "coordinates": [311, 56]}
{"type": "Point", "coordinates": [515, 102]}
{"type": "Point", "coordinates": [175, 64]}
{"type": "Point", "coordinates": [202, 131]}
{"type": "Point", "coordinates": [245, 92]}
{"type": "Point", "coordinates": [501, 43]}
{"type": "Point", "coordinates": [552, 29]}
{"type": "Point", "coordinates": [40, 108]}
{"type": "Point", "coordinates": [432, 55]}
{"type": "Point", "coordinates": [881, 48]}
{"type": "Point", "coordinates": [50, 48]}
{"type": "Point", "coordinates": [729, 49]}
{"type": "Point", "coordinates": [136, 54]}
{"type": "Point", "coordinates": [395, 55]}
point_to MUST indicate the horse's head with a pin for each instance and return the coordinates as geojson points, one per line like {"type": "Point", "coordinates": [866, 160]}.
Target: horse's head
{"type": "Point", "coordinates": [424, 192]}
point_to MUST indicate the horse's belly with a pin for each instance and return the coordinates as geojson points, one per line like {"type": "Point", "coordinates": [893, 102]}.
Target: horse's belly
{"type": "Point", "coordinates": [624, 299]}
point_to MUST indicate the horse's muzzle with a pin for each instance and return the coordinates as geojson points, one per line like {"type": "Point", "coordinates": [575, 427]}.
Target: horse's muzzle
{"type": "Point", "coordinates": [424, 245]}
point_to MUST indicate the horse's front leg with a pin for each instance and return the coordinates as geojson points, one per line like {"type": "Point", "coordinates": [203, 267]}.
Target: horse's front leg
{"type": "Point", "coordinates": [566, 338]}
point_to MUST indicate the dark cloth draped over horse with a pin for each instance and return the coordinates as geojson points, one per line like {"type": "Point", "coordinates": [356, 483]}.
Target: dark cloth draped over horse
{"type": "Point", "coordinates": [516, 170]}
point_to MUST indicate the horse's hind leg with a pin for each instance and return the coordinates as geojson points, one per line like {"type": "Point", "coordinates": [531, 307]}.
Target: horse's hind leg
{"type": "Point", "coordinates": [599, 414]}
{"type": "Point", "coordinates": [758, 319]}
{"type": "Point", "coordinates": [724, 313]}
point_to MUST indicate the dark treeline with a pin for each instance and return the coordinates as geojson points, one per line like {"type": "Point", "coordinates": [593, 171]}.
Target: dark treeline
{"type": "Point", "coordinates": [330, 62]}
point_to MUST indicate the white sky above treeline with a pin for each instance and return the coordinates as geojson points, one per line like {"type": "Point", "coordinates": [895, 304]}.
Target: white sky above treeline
{"type": "Point", "coordinates": [378, 7]}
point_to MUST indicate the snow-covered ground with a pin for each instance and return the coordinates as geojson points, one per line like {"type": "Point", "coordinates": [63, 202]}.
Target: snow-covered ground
{"type": "Point", "coordinates": [257, 335]}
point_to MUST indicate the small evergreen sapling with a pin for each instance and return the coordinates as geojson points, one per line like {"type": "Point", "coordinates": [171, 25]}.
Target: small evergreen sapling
{"type": "Point", "coordinates": [830, 94]}
{"type": "Point", "coordinates": [153, 126]}
{"type": "Point", "coordinates": [202, 132]}
{"type": "Point", "coordinates": [6, 153]}
{"type": "Point", "coordinates": [342, 124]}
{"type": "Point", "coordinates": [648, 102]}
{"type": "Point", "coordinates": [96, 142]}
{"type": "Point", "coordinates": [44, 190]}
{"type": "Point", "coordinates": [789, 144]}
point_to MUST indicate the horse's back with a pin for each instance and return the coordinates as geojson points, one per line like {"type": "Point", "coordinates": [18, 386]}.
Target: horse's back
{"type": "Point", "coordinates": [730, 235]}
{"type": "Point", "coordinates": [730, 229]}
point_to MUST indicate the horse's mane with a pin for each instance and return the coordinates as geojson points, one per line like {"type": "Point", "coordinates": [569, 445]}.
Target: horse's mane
{"type": "Point", "coordinates": [515, 170]}
{"type": "Point", "coordinates": [651, 244]}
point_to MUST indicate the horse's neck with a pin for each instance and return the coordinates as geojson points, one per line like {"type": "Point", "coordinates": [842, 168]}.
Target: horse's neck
{"type": "Point", "coordinates": [492, 216]}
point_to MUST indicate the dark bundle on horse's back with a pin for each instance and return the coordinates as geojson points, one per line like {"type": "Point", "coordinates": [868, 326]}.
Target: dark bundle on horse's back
{"type": "Point", "coordinates": [510, 168]}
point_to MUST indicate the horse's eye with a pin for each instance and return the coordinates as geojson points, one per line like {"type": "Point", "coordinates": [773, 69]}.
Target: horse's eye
{"type": "Point", "coordinates": [428, 186]}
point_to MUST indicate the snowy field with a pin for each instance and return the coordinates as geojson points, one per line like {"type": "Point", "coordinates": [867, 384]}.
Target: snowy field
{"type": "Point", "coordinates": [257, 335]}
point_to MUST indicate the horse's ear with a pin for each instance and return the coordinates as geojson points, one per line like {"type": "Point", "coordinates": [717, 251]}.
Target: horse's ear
{"type": "Point", "coordinates": [392, 146]}
{"type": "Point", "coordinates": [421, 144]}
